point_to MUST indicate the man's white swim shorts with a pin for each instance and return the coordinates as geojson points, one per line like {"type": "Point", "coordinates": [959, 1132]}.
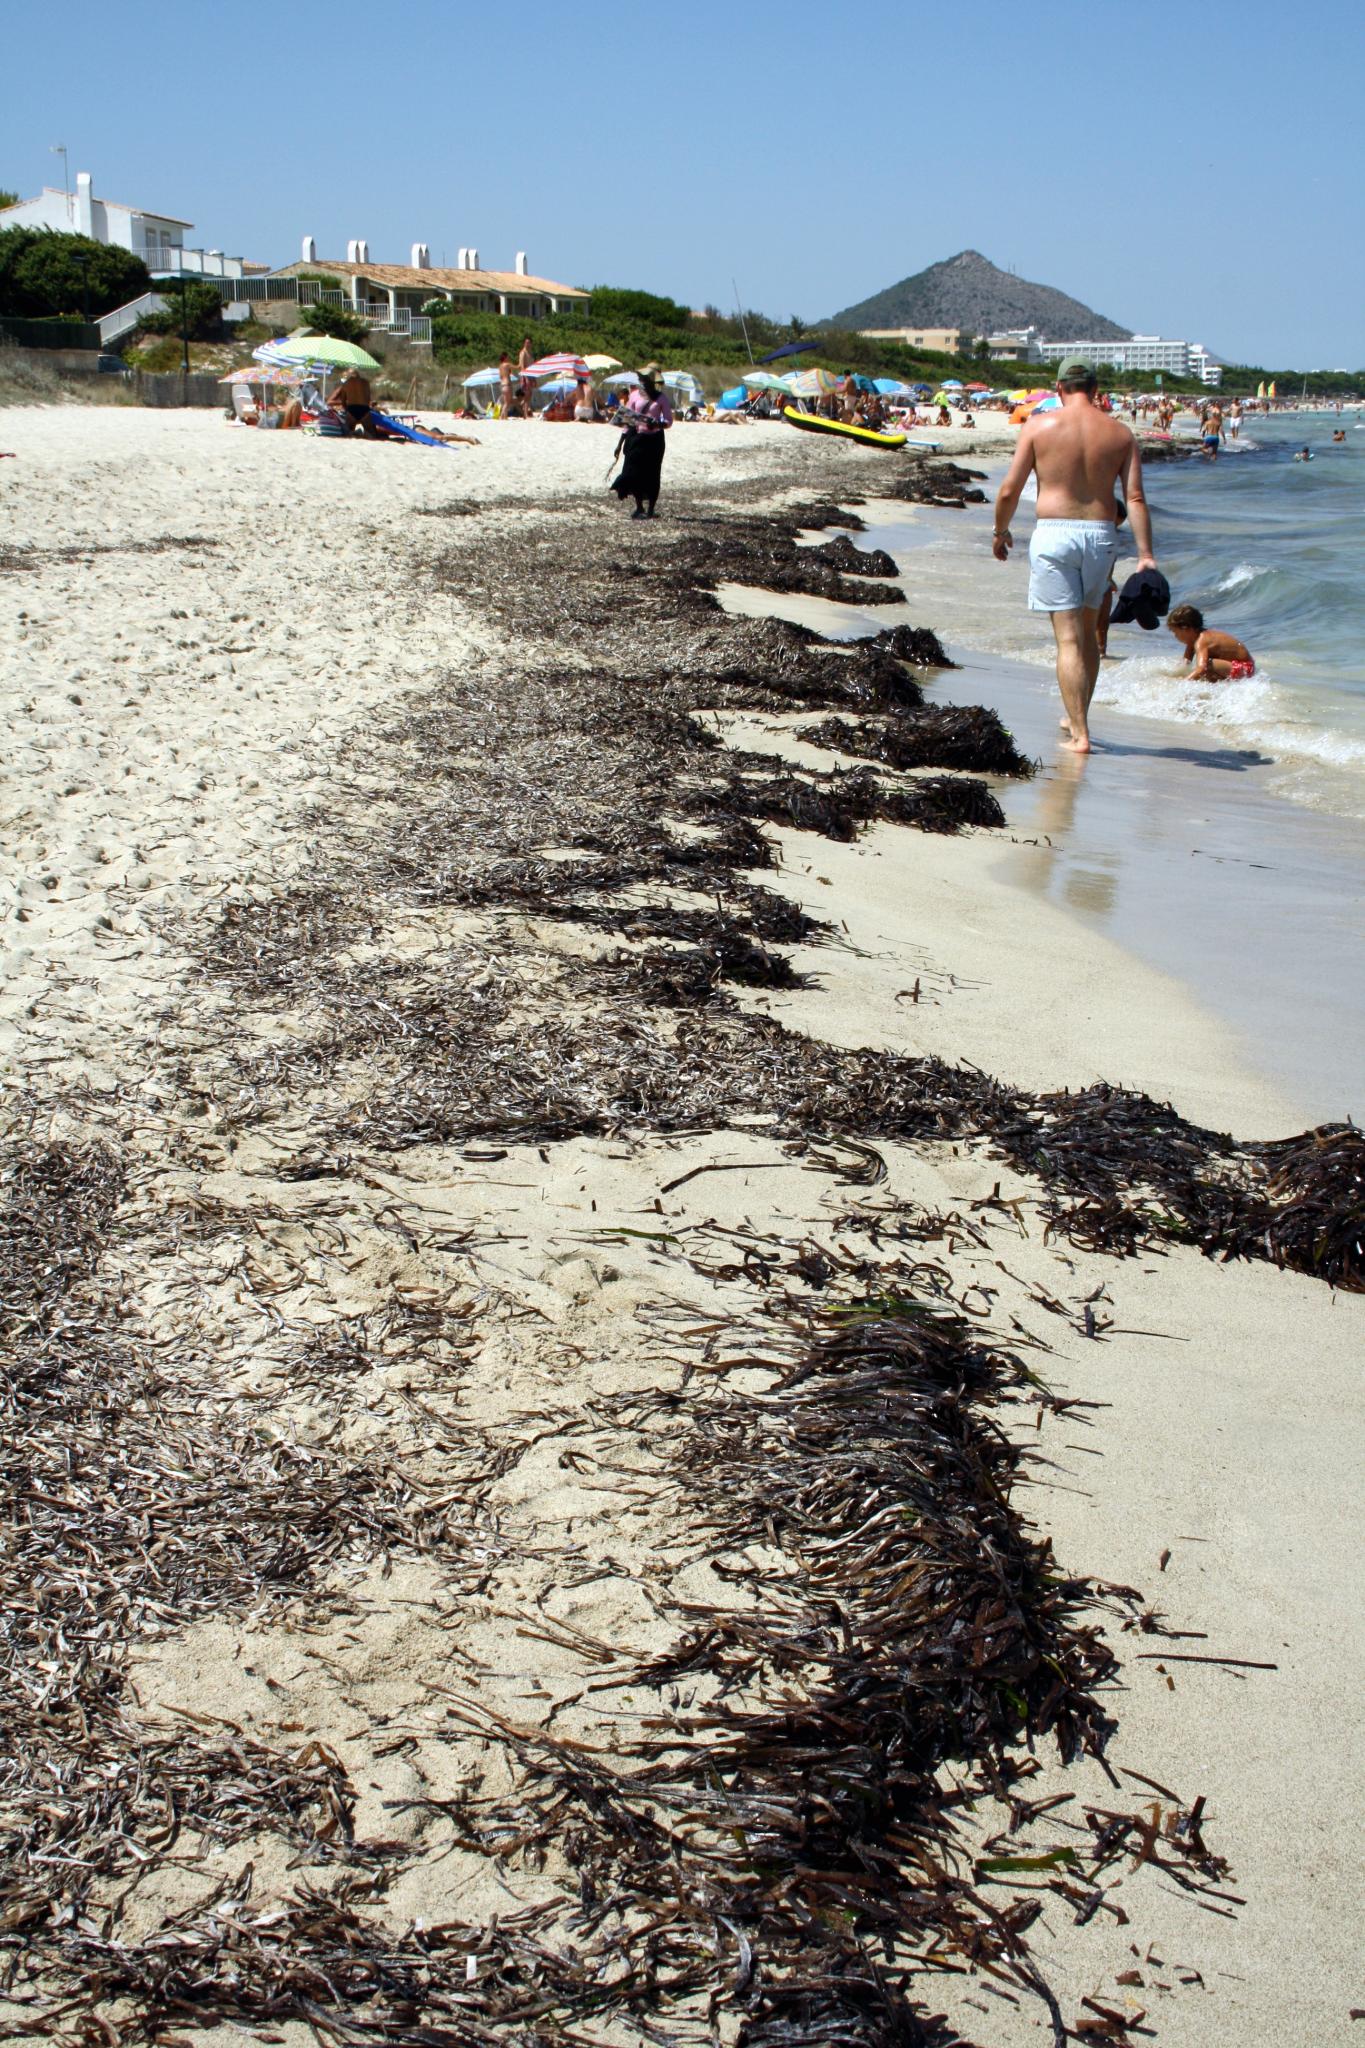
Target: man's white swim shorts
{"type": "Point", "coordinates": [1070, 563]}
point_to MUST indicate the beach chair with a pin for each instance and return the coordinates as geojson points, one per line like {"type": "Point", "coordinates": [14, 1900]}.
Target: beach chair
{"type": "Point", "coordinates": [244, 405]}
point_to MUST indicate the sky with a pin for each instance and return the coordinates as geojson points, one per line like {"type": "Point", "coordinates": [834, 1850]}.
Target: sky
{"type": "Point", "coordinates": [1193, 171]}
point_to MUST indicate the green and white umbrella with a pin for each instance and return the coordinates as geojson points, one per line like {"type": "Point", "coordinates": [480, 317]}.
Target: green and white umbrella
{"type": "Point", "coordinates": [316, 348]}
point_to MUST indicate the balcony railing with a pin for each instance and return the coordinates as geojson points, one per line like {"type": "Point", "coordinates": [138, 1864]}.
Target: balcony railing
{"type": "Point", "coordinates": [173, 261]}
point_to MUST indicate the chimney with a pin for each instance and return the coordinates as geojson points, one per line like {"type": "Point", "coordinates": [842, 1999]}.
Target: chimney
{"type": "Point", "coordinates": [310, 249]}
{"type": "Point", "coordinates": [421, 256]}
{"type": "Point", "coordinates": [473, 256]}
{"type": "Point", "coordinates": [357, 252]}
{"type": "Point", "coordinates": [521, 264]}
{"type": "Point", "coordinates": [85, 208]}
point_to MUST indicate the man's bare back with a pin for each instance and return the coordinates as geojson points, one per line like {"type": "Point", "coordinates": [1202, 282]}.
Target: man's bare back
{"type": "Point", "coordinates": [1078, 454]}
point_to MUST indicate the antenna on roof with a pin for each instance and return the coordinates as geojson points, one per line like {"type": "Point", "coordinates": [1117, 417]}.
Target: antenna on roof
{"type": "Point", "coordinates": [59, 149]}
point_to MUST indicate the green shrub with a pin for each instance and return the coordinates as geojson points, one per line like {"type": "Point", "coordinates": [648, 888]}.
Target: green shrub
{"type": "Point", "coordinates": [333, 320]}
{"type": "Point", "coordinates": [612, 304]}
{"type": "Point", "coordinates": [322, 278]}
{"type": "Point", "coordinates": [43, 273]}
{"type": "Point", "coordinates": [193, 308]}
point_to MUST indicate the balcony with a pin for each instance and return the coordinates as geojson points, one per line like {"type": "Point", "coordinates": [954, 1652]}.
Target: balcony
{"type": "Point", "coordinates": [173, 261]}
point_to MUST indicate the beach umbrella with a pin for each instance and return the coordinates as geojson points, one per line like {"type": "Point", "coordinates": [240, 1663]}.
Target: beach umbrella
{"type": "Point", "coordinates": [762, 380]}
{"type": "Point", "coordinates": [622, 377]}
{"type": "Point", "coordinates": [1049, 404]}
{"type": "Point", "coordinates": [560, 384]}
{"type": "Point", "coordinates": [316, 348]}
{"type": "Point", "coordinates": [684, 383]}
{"type": "Point", "coordinates": [480, 378]}
{"type": "Point", "coordinates": [979, 387]}
{"type": "Point", "coordinates": [951, 384]}
{"type": "Point", "coordinates": [789, 348]}
{"type": "Point", "coordinates": [267, 374]}
{"type": "Point", "coordinates": [811, 383]}
{"type": "Point", "coordinates": [603, 362]}
{"type": "Point", "coordinates": [891, 387]}
{"type": "Point", "coordinates": [562, 365]}
{"type": "Point", "coordinates": [921, 390]}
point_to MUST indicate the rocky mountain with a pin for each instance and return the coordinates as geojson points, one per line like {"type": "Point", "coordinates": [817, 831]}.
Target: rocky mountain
{"type": "Point", "coordinates": [968, 291]}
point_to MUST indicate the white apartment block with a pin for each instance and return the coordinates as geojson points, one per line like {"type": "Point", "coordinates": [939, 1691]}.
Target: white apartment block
{"type": "Point", "coordinates": [158, 238]}
{"type": "Point", "coordinates": [1141, 352]}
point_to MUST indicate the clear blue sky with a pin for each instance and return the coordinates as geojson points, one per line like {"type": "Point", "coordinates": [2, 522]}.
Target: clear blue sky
{"type": "Point", "coordinates": [1193, 171]}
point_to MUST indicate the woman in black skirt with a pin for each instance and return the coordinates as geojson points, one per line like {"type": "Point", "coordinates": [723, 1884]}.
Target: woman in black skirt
{"type": "Point", "coordinates": [648, 416]}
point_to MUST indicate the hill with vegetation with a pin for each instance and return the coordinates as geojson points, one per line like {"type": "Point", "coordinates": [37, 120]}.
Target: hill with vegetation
{"type": "Point", "coordinates": [970, 292]}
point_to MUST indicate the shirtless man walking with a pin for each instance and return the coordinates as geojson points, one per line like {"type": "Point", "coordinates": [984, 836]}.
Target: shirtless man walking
{"type": "Point", "coordinates": [1079, 455]}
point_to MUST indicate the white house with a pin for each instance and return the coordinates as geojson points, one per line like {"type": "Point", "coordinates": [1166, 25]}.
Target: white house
{"type": "Point", "coordinates": [158, 238]}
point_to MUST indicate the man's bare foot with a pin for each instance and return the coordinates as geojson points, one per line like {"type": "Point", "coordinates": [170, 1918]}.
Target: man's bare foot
{"type": "Point", "coordinates": [1076, 745]}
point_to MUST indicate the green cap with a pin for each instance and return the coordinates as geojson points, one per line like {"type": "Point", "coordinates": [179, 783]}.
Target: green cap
{"type": "Point", "coordinates": [1074, 366]}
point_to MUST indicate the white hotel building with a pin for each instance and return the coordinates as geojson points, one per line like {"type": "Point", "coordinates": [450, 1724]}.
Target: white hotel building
{"type": "Point", "coordinates": [1139, 352]}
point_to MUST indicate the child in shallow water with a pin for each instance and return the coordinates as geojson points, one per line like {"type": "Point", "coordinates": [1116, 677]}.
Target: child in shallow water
{"type": "Point", "coordinates": [1218, 657]}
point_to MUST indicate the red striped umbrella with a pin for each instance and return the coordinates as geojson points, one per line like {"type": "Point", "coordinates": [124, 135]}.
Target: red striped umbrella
{"type": "Point", "coordinates": [557, 366]}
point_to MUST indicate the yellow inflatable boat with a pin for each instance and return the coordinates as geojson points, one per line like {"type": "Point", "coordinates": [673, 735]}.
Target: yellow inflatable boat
{"type": "Point", "coordinates": [812, 423]}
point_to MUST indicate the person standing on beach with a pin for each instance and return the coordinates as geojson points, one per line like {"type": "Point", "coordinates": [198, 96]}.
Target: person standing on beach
{"type": "Point", "coordinates": [650, 417]}
{"type": "Point", "coordinates": [1079, 454]}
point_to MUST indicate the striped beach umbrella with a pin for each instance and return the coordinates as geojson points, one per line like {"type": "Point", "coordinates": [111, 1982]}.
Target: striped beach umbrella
{"type": "Point", "coordinates": [561, 365]}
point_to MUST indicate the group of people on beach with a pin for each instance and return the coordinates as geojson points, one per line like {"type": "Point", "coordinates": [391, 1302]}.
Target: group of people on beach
{"type": "Point", "coordinates": [1088, 467]}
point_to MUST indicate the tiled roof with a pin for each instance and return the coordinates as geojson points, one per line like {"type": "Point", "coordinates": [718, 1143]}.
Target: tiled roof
{"type": "Point", "coordinates": [405, 277]}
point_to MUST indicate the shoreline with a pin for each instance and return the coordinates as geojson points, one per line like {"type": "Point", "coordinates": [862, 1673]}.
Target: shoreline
{"type": "Point", "coordinates": [1276, 906]}
{"type": "Point", "coordinates": [397, 1019]}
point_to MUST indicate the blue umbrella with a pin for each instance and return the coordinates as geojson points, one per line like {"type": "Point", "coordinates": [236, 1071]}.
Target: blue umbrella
{"type": "Point", "coordinates": [891, 387]}
{"type": "Point", "coordinates": [481, 377]}
{"type": "Point", "coordinates": [790, 348]}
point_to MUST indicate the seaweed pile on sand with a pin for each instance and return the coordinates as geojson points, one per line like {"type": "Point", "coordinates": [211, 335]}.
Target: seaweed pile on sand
{"type": "Point", "coordinates": [778, 1841]}
{"type": "Point", "coordinates": [534, 912]}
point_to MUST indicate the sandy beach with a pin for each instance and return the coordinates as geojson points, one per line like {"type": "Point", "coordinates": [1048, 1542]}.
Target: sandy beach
{"type": "Point", "coordinates": [581, 1471]}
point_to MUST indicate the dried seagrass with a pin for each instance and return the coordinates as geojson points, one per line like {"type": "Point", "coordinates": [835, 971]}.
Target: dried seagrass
{"type": "Point", "coordinates": [936, 736]}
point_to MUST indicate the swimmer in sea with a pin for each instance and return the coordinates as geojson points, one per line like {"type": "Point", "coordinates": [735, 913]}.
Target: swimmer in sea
{"type": "Point", "coordinates": [1304, 455]}
{"type": "Point", "coordinates": [1217, 657]}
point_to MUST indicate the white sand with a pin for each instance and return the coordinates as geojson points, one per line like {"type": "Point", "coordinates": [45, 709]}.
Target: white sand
{"type": "Point", "coordinates": [170, 715]}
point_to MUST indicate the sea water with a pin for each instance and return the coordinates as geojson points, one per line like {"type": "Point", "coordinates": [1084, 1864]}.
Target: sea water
{"type": "Point", "coordinates": [1218, 830]}
{"type": "Point", "coordinates": [1269, 549]}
